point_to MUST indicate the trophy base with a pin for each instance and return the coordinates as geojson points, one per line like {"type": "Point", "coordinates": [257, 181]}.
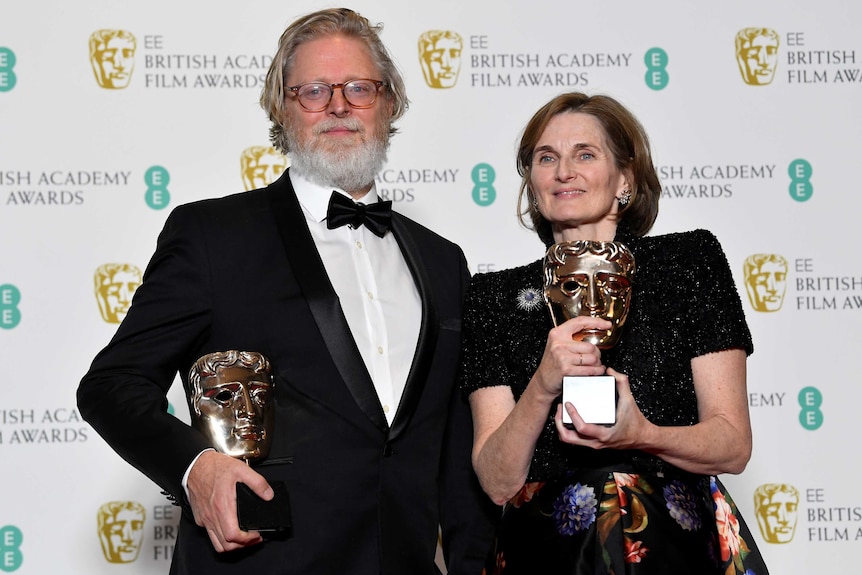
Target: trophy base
{"type": "Point", "coordinates": [594, 396]}
{"type": "Point", "coordinates": [271, 518]}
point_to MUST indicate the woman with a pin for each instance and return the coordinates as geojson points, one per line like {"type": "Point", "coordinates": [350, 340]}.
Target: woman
{"type": "Point", "coordinates": [639, 496]}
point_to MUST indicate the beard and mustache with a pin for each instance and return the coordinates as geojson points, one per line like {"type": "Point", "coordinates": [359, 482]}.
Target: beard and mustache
{"type": "Point", "coordinates": [348, 166]}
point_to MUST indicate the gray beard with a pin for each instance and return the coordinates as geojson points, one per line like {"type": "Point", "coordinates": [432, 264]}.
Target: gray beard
{"type": "Point", "coordinates": [350, 169]}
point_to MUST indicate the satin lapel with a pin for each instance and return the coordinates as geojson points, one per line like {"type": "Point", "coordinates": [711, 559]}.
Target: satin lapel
{"type": "Point", "coordinates": [322, 300]}
{"type": "Point", "coordinates": [427, 331]}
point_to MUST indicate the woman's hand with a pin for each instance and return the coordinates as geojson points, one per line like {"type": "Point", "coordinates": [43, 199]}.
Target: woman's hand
{"type": "Point", "coordinates": [624, 434]}
{"type": "Point", "coordinates": [565, 355]}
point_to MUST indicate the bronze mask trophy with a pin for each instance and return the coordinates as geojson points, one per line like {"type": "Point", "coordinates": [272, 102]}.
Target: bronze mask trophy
{"type": "Point", "coordinates": [231, 396]}
{"type": "Point", "coordinates": [590, 278]}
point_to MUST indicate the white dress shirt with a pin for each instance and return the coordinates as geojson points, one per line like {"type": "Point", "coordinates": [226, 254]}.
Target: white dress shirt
{"type": "Point", "coordinates": [375, 288]}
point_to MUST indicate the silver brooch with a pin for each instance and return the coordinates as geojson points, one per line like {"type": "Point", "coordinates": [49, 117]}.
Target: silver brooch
{"type": "Point", "coordinates": [529, 299]}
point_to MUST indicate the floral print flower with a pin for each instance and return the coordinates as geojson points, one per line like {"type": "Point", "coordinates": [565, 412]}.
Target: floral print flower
{"type": "Point", "coordinates": [526, 493]}
{"type": "Point", "coordinates": [575, 509]}
{"type": "Point", "coordinates": [728, 524]}
{"type": "Point", "coordinates": [682, 506]}
{"type": "Point", "coordinates": [624, 480]}
{"type": "Point", "coordinates": [529, 299]}
{"type": "Point", "coordinates": [635, 550]}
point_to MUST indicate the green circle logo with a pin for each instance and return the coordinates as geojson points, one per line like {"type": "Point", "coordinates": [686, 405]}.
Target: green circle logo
{"type": "Point", "coordinates": [483, 176]}
{"type": "Point", "coordinates": [10, 315]}
{"type": "Point", "coordinates": [800, 172]}
{"type": "Point", "coordinates": [10, 548]}
{"type": "Point", "coordinates": [656, 77]}
{"type": "Point", "coordinates": [8, 79]}
{"type": "Point", "coordinates": [157, 179]}
{"type": "Point", "coordinates": [810, 399]}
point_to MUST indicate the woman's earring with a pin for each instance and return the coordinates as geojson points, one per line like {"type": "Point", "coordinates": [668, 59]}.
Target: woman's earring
{"type": "Point", "coordinates": [624, 198]}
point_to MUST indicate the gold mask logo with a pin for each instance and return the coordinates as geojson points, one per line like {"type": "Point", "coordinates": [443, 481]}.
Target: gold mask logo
{"type": "Point", "coordinates": [115, 285]}
{"type": "Point", "coordinates": [112, 56]}
{"type": "Point", "coordinates": [121, 530]}
{"type": "Point", "coordinates": [776, 506]}
{"type": "Point", "coordinates": [765, 281]}
{"type": "Point", "coordinates": [440, 57]}
{"type": "Point", "coordinates": [260, 166]}
{"type": "Point", "coordinates": [757, 55]}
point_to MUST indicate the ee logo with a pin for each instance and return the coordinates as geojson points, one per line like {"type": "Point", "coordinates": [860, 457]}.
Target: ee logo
{"type": "Point", "coordinates": [810, 400]}
{"type": "Point", "coordinates": [483, 176]}
{"type": "Point", "coordinates": [801, 189]}
{"type": "Point", "coordinates": [656, 63]}
{"type": "Point", "coordinates": [157, 179]}
{"type": "Point", "coordinates": [10, 548]}
{"type": "Point", "coordinates": [7, 74]}
{"type": "Point", "coordinates": [10, 315]}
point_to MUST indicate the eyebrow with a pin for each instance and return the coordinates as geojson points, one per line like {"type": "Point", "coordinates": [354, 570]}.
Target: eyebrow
{"type": "Point", "coordinates": [578, 146]}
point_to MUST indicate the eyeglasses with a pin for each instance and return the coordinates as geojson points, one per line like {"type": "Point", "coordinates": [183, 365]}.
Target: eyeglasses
{"type": "Point", "coordinates": [315, 96]}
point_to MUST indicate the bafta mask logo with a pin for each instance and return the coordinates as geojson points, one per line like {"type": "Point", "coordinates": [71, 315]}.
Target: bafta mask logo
{"type": "Point", "coordinates": [115, 286]}
{"type": "Point", "coordinates": [260, 166]}
{"type": "Point", "coordinates": [757, 55]}
{"type": "Point", "coordinates": [592, 279]}
{"type": "Point", "coordinates": [440, 57]}
{"type": "Point", "coordinates": [776, 506]}
{"type": "Point", "coordinates": [112, 55]}
{"type": "Point", "coordinates": [766, 281]}
{"type": "Point", "coordinates": [121, 530]}
{"type": "Point", "coordinates": [230, 394]}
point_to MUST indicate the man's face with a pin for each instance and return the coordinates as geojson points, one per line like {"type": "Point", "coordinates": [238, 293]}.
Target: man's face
{"type": "Point", "coordinates": [235, 407]}
{"type": "Point", "coordinates": [766, 286]}
{"type": "Point", "coordinates": [115, 293]}
{"type": "Point", "coordinates": [263, 168]}
{"type": "Point", "coordinates": [122, 534]}
{"type": "Point", "coordinates": [777, 517]}
{"type": "Point", "coordinates": [590, 285]}
{"type": "Point", "coordinates": [442, 62]}
{"type": "Point", "coordinates": [115, 59]}
{"type": "Point", "coordinates": [338, 128]}
{"type": "Point", "coordinates": [760, 57]}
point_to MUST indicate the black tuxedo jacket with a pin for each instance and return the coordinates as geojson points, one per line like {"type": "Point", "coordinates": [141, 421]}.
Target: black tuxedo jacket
{"type": "Point", "coordinates": [242, 272]}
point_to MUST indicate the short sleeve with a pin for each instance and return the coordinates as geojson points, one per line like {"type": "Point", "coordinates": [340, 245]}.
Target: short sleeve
{"type": "Point", "coordinates": [715, 320]}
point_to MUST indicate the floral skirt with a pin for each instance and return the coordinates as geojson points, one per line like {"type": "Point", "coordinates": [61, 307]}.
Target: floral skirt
{"type": "Point", "coordinates": [607, 522]}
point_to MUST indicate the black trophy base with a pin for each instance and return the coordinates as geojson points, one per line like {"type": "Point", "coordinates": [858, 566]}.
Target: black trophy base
{"type": "Point", "coordinates": [271, 518]}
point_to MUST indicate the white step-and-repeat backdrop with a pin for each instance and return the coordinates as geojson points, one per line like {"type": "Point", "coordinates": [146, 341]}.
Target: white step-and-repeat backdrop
{"type": "Point", "coordinates": [112, 113]}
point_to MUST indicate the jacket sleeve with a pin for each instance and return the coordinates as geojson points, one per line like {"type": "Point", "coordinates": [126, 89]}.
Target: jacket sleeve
{"type": "Point", "coordinates": [467, 516]}
{"type": "Point", "coordinates": [124, 394]}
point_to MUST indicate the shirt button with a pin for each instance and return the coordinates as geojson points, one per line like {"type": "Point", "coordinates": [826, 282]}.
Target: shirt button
{"type": "Point", "coordinates": [385, 409]}
{"type": "Point", "coordinates": [370, 295]}
{"type": "Point", "coordinates": [359, 245]}
{"type": "Point", "coordinates": [380, 349]}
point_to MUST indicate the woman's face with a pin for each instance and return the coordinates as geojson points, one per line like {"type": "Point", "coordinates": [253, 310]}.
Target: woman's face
{"type": "Point", "coordinates": [574, 178]}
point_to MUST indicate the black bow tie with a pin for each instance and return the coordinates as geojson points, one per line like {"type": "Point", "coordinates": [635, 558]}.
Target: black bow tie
{"type": "Point", "coordinates": [344, 211]}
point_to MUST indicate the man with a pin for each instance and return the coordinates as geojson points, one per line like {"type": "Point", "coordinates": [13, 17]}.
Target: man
{"type": "Point", "coordinates": [362, 331]}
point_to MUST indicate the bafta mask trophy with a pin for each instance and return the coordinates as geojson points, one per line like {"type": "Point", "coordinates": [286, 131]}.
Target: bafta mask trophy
{"type": "Point", "coordinates": [230, 394]}
{"type": "Point", "coordinates": [590, 278]}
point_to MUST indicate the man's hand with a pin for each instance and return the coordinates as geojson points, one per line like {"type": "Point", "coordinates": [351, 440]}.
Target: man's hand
{"type": "Point", "coordinates": [212, 494]}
